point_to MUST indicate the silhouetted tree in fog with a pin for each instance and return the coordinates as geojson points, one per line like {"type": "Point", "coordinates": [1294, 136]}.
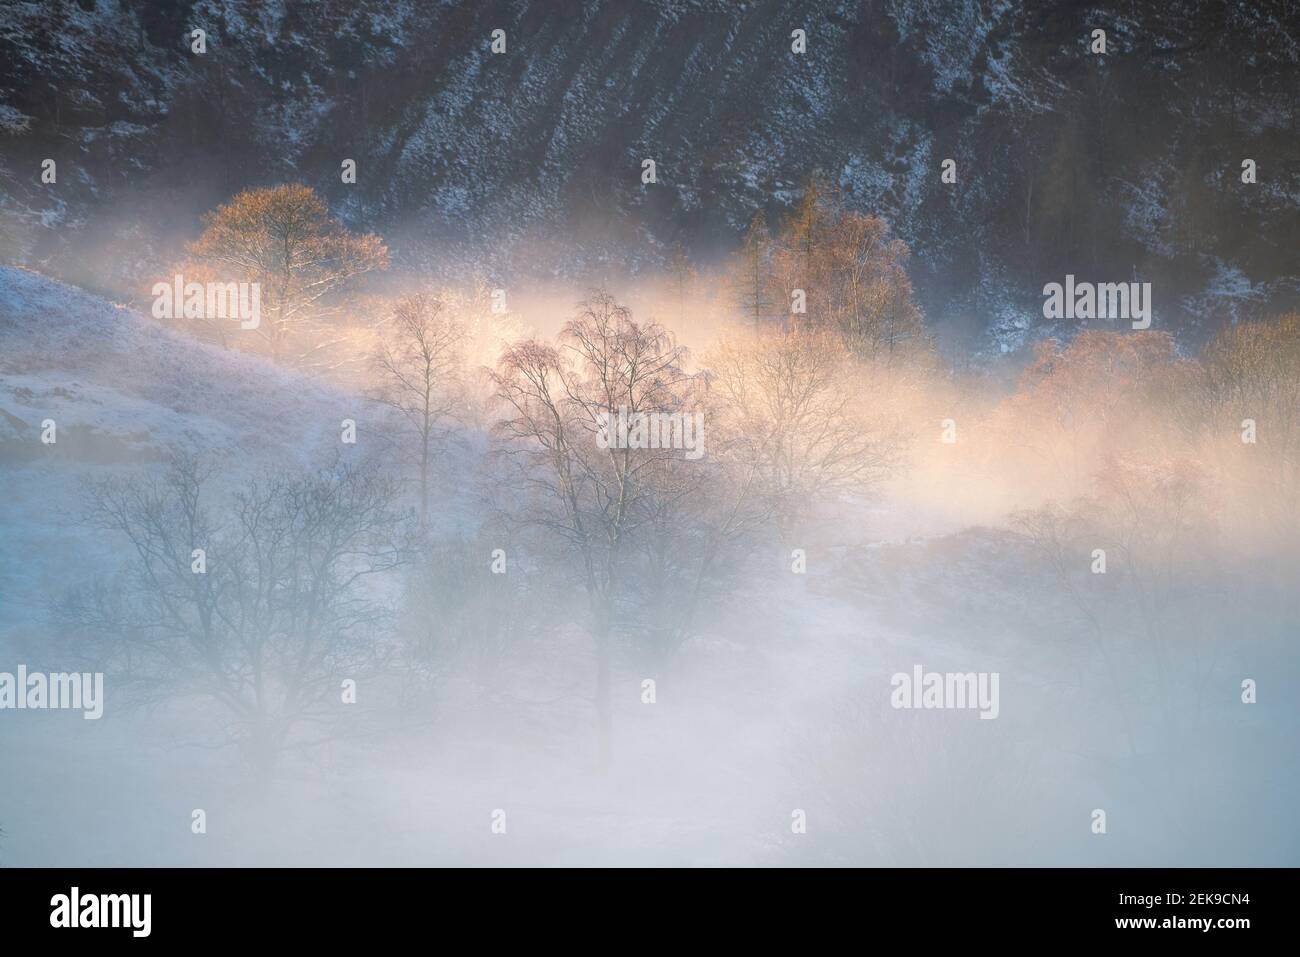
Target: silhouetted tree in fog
{"type": "Point", "coordinates": [590, 500]}
{"type": "Point", "coordinates": [791, 402]}
{"type": "Point", "coordinates": [418, 363]}
{"type": "Point", "coordinates": [269, 619]}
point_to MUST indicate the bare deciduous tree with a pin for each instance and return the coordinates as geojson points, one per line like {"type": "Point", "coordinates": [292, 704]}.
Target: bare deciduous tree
{"type": "Point", "coordinates": [589, 499]}
{"type": "Point", "coordinates": [791, 406]}
{"type": "Point", "coordinates": [691, 547]}
{"type": "Point", "coordinates": [418, 364]}
{"type": "Point", "coordinates": [269, 620]}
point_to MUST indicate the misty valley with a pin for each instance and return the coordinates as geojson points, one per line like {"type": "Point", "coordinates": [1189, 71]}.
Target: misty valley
{"type": "Point", "coordinates": [657, 434]}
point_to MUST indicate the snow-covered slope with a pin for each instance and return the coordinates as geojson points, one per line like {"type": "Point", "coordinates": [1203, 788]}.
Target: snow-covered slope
{"type": "Point", "coordinates": [122, 387]}
{"type": "Point", "coordinates": [123, 392]}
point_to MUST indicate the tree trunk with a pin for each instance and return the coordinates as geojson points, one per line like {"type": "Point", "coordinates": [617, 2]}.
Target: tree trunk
{"type": "Point", "coordinates": [424, 481]}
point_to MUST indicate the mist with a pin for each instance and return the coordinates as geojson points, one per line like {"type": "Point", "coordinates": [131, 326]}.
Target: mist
{"type": "Point", "coordinates": [768, 735]}
{"type": "Point", "coordinates": [565, 517]}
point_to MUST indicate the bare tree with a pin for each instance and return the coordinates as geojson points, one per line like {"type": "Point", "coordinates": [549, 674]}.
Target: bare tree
{"type": "Point", "coordinates": [268, 619]}
{"type": "Point", "coordinates": [693, 542]}
{"type": "Point", "coordinates": [791, 404]}
{"type": "Point", "coordinates": [870, 295]}
{"type": "Point", "coordinates": [418, 363]}
{"type": "Point", "coordinates": [590, 499]}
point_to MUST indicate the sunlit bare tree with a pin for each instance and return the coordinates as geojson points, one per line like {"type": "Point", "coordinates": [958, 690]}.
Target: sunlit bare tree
{"type": "Point", "coordinates": [417, 366]}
